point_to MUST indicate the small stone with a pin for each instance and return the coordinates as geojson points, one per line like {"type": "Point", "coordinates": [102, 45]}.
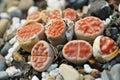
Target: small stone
{"type": "Point", "coordinates": [2, 63]}
{"type": "Point", "coordinates": [87, 68]}
{"type": "Point", "coordinates": [119, 8]}
{"type": "Point", "coordinates": [35, 78]}
{"type": "Point", "coordinates": [69, 73]}
{"type": "Point", "coordinates": [3, 75]}
{"type": "Point", "coordinates": [18, 57]}
{"type": "Point", "coordinates": [95, 74]}
{"type": "Point", "coordinates": [88, 77]}
{"type": "Point", "coordinates": [115, 72]}
{"type": "Point", "coordinates": [45, 75]}
{"type": "Point", "coordinates": [23, 6]}
{"type": "Point", "coordinates": [1, 42]}
{"type": "Point", "coordinates": [105, 75]}
{"type": "Point", "coordinates": [51, 78]}
{"type": "Point", "coordinates": [59, 77]}
{"type": "Point", "coordinates": [54, 72]}
{"type": "Point", "coordinates": [5, 48]}
{"type": "Point", "coordinates": [4, 15]}
{"type": "Point", "coordinates": [15, 12]}
{"type": "Point", "coordinates": [98, 79]}
{"type": "Point", "coordinates": [52, 67]}
{"type": "Point", "coordinates": [32, 9]}
{"type": "Point", "coordinates": [12, 71]}
{"type": "Point", "coordinates": [3, 26]}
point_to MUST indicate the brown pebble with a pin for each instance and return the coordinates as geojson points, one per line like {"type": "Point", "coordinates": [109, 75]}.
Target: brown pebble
{"type": "Point", "coordinates": [95, 74]}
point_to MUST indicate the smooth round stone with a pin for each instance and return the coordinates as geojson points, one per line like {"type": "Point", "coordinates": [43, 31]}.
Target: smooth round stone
{"type": "Point", "coordinates": [69, 73]}
{"type": "Point", "coordinates": [1, 42]}
{"type": "Point", "coordinates": [4, 50]}
{"type": "Point", "coordinates": [3, 75]}
{"type": "Point", "coordinates": [98, 8]}
{"type": "Point", "coordinates": [15, 12]}
{"type": "Point", "coordinates": [2, 63]}
{"type": "Point", "coordinates": [3, 26]}
{"type": "Point", "coordinates": [32, 9]}
{"type": "Point", "coordinates": [115, 72]}
{"type": "Point", "coordinates": [25, 4]}
{"type": "Point", "coordinates": [105, 75]}
{"type": "Point", "coordinates": [77, 4]}
{"type": "Point", "coordinates": [4, 15]}
{"type": "Point", "coordinates": [35, 78]}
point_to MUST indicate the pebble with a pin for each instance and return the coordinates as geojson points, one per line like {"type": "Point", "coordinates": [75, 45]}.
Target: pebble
{"type": "Point", "coordinates": [13, 49]}
{"type": "Point", "coordinates": [54, 72]}
{"type": "Point", "coordinates": [1, 42]}
{"type": "Point", "coordinates": [5, 48]}
{"type": "Point", "coordinates": [77, 4]}
{"type": "Point", "coordinates": [58, 4]}
{"type": "Point", "coordinates": [105, 75]}
{"type": "Point", "coordinates": [15, 12]}
{"type": "Point", "coordinates": [88, 77]}
{"type": "Point", "coordinates": [12, 71]}
{"type": "Point", "coordinates": [3, 26]}
{"type": "Point", "coordinates": [59, 77]}
{"type": "Point", "coordinates": [23, 6]}
{"type": "Point", "coordinates": [35, 78]}
{"type": "Point", "coordinates": [52, 67]}
{"type": "Point", "coordinates": [18, 57]}
{"type": "Point", "coordinates": [2, 63]}
{"type": "Point", "coordinates": [69, 73]}
{"type": "Point", "coordinates": [119, 8]}
{"type": "Point", "coordinates": [4, 15]}
{"type": "Point", "coordinates": [88, 69]}
{"type": "Point", "coordinates": [98, 79]}
{"type": "Point", "coordinates": [4, 75]}
{"type": "Point", "coordinates": [45, 75]}
{"type": "Point", "coordinates": [32, 9]}
{"type": "Point", "coordinates": [115, 72]}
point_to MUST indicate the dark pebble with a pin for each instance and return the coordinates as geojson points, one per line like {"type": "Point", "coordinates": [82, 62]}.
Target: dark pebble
{"type": "Point", "coordinates": [4, 50]}
{"type": "Point", "coordinates": [2, 63]}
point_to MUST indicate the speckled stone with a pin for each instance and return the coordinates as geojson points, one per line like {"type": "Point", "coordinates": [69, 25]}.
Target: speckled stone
{"type": "Point", "coordinates": [2, 63]}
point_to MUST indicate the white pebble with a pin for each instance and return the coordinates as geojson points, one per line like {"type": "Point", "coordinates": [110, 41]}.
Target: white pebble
{"type": "Point", "coordinates": [54, 72]}
{"type": "Point", "coordinates": [45, 74]}
{"type": "Point", "coordinates": [87, 68]}
{"type": "Point", "coordinates": [98, 79]}
{"type": "Point", "coordinates": [44, 79]}
{"type": "Point", "coordinates": [59, 77]}
{"type": "Point", "coordinates": [23, 21]}
{"type": "Point", "coordinates": [52, 67]}
{"type": "Point", "coordinates": [32, 9]}
{"type": "Point", "coordinates": [35, 78]}
{"type": "Point", "coordinates": [12, 71]}
{"type": "Point", "coordinates": [4, 15]}
{"type": "Point", "coordinates": [13, 40]}
{"type": "Point", "coordinates": [13, 49]}
{"type": "Point", "coordinates": [119, 8]}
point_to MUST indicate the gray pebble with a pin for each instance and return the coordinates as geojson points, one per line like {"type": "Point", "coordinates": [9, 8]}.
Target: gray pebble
{"type": "Point", "coordinates": [2, 63]}
{"type": "Point", "coordinates": [115, 72]}
{"type": "Point", "coordinates": [15, 12]}
{"type": "Point", "coordinates": [4, 50]}
{"type": "Point", "coordinates": [3, 75]}
{"type": "Point", "coordinates": [105, 75]}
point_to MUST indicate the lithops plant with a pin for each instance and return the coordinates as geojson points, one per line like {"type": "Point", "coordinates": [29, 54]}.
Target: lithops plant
{"type": "Point", "coordinates": [55, 32]}
{"type": "Point", "coordinates": [104, 49]}
{"type": "Point", "coordinates": [88, 28]}
{"type": "Point", "coordinates": [77, 51]}
{"type": "Point", "coordinates": [42, 56]}
{"type": "Point", "coordinates": [30, 34]}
